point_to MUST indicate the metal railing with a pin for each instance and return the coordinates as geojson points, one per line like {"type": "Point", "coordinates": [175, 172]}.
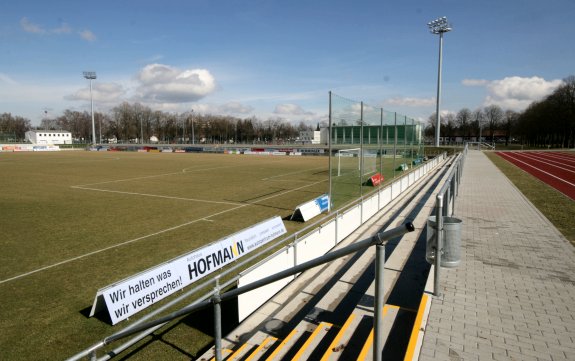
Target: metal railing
{"type": "Point", "coordinates": [231, 274]}
{"type": "Point", "coordinates": [377, 240]}
{"type": "Point", "coordinates": [481, 144]}
{"type": "Point", "coordinates": [445, 207]}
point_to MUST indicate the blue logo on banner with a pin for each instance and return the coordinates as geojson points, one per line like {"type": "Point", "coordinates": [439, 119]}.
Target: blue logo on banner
{"type": "Point", "coordinates": [323, 203]}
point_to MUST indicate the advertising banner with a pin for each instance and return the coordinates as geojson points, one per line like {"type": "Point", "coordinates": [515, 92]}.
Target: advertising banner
{"type": "Point", "coordinates": [135, 293]}
{"type": "Point", "coordinates": [308, 210]}
{"type": "Point", "coordinates": [376, 179]}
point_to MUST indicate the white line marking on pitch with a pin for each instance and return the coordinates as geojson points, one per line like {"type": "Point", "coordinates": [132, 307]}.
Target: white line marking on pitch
{"type": "Point", "coordinates": [183, 171]}
{"type": "Point", "coordinates": [151, 235]}
{"type": "Point", "coordinates": [127, 179]}
{"type": "Point", "coordinates": [299, 171]}
{"type": "Point", "coordinates": [154, 195]}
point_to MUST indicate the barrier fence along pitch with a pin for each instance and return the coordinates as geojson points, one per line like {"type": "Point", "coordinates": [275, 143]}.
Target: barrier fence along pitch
{"type": "Point", "coordinates": [378, 240]}
{"type": "Point", "coordinates": [444, 207]}
{"type": "Point", "coordinates": [206, 299]}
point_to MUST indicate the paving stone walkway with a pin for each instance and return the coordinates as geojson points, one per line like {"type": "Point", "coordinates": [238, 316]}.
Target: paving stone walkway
{"type": "Point", "coordinates": [513, 295]}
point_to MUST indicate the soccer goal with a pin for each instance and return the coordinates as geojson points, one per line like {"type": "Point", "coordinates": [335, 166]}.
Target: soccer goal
{"type": "Point", "coordinates": [348, 161]}
{"type": "Point", "coordinates": [356, 160]}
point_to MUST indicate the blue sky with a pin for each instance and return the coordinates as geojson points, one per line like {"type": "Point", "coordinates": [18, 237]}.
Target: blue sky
{"type": "Point", "coordinates": [279, 59]}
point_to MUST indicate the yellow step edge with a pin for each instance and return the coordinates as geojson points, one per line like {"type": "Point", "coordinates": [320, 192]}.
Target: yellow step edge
{"type": "Point", "coordinates": [314, 334]}
{"type": "Point", "coordinates": [416, 327]}
{"type": "Point", "coordinates": [338, 337]}
{"type": "Point", "coordinates": [237, 353]}
{"type": "Point", "coordinates": [224, 351]}
{"type": "Point", "coordinates": [261, 347]}
{"type": "Point", "coordinates": [369, 342]}
{"type": "Point", "coordinates": [281, 345]}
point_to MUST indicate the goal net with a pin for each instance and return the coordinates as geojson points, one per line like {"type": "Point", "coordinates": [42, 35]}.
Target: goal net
{"type": "Point", "coordinates": [356, 162]}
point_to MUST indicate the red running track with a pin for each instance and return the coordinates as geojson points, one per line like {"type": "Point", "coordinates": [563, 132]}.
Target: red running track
{"type": "Point", "coordinates": [557, 169]}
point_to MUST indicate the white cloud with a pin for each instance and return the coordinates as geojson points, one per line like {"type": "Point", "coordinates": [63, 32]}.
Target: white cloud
{"type": "Point", "coordinates": [30, 27]}
{"type": "Point", "coordinates": [7, 79]}
{"type": "Point", "coordinates": [87, 35]}
{"type": "Point", "coordinates": [533, 88]}
{"type": "Point", "coordinates": [102, 92]}
{"type": "Point", "coordinates": [64, 28]}
{"type": "Point", "coordinates": [515, 92]}
{"type": "Point", "coordinates": [165, 84]}
{"type": "Point", "coordinates": [474, 82]}
{"type": "Point", "coordinates": [235, 108]}
{"type": "Point", "coordinates": [410, 102]}
{"type": "Point", "coordinates": [290, 109]}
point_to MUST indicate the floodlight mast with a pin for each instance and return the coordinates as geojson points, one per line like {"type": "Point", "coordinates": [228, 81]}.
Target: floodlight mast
{"type": "Point", "coordinates": [91, 75]}
{"type": "Point", "coordinates": [438, 26]}
{"type": "Point", "coordinates": [193, 135]}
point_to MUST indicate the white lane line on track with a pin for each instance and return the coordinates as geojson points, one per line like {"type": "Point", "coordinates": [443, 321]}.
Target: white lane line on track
{"type": "Point", "coordinates": [205, 218]}
{"type": "Point", "coordinates": [546, 161]}
{"type": "Point", "coordinates": [563, 158]}
{"type": "Point", "coordinates": [541, 170]}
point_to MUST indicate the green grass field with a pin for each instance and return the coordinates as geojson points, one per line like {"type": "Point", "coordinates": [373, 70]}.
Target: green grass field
{"type": "Point", "coordinates": [73, 222]}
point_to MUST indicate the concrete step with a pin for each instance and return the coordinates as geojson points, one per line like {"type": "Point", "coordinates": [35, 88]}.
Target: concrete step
{"type": "Point", "coordinates": [327, 312]}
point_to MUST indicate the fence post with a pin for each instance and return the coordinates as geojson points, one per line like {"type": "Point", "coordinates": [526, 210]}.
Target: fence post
{"type": "Point", "coordinates": [454, 191]}
{"type": "Point", "coordinates": [216, 300]}
{"type": "Point", "coordinates": [295, 242]}
{"type": "Point", "coordinates": [439, 245]}
{"type": "Point", "coordinates": [379, 302]}
{"type": "Point", "coordinates": [447, 202]}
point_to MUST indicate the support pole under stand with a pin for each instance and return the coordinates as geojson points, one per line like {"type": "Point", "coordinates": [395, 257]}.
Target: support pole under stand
{"type": "Point", "coordinates": [379, 302]}
{"type": "Point", "coordinates": [439, 244]}
{"type": "Point", "coordinates": [217, 301]}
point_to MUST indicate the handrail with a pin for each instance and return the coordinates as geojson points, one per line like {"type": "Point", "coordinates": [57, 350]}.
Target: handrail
{"type": "Point", "coordinates": [378, 239]}
{"type": "Point", "coordinates": [482, 144]}
{"type": "Point", "coordinates": [445, 201]}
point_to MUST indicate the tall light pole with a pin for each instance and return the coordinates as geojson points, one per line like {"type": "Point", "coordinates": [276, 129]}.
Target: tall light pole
{"type": "Point", "coordinates": [91, 75]}
{"type": "Point", "coordinates": [193, 137]}
{"type": "Point", "coordinates": [438, 26]}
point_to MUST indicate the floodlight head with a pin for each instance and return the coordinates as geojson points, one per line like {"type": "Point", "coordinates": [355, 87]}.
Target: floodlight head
{"type": "Point", "coordinates": [90, 74]}
{"type": "Point", "coordinates": [439, 25]}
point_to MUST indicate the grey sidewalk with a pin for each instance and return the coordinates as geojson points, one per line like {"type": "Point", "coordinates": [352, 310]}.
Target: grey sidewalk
{"type": "Point", "coordinates": [513, 295]}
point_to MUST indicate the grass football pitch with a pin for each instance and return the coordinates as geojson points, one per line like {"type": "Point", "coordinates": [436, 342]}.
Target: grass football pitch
{"type": "Point", "coordinates": [74, 222]}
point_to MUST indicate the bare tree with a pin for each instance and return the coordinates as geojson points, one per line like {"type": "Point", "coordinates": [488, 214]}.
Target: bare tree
{"type": "Point", "coordinates": [494, 116]}
{"type": "Point", "coordinates": [463, 120]}
{"type": "Point", "coordinates": [13, 127]}
{"type": "Point", "coordinates": [449, 126]}
{"type": "Point", "coordinates": [478, 120]}
{"type": "Point", "coordinates": [509, 123]}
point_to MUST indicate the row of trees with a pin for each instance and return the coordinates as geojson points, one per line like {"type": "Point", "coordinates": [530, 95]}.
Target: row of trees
{"type": "Point", "coordinates": [12, 128]}
{"type": "Point", "coordinates": [491, 123]}
{"type": "Point", "coordinates": [133, 122]}
{"type": "Point", "coordinates": [549, 122]}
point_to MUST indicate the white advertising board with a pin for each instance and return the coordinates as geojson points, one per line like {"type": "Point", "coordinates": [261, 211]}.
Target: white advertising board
{"type": "Point", "coordinates": [308, 210]}
{"type": "Point", "coordinates": [131, 295]}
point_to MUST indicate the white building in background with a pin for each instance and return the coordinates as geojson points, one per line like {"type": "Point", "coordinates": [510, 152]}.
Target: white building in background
{"type": "Point", "coordinates": [314, 136]}
{"type": "Point", "coordinates": [49, 137]}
